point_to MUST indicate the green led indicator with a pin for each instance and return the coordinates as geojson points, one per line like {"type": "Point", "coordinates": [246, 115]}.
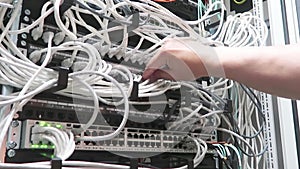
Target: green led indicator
{"type": "Point", "coordinates": [34, 146]}
{"type": "Point", "coordinates": [44, 146]}
{"type": "Point", "coordinates": [48, 125]}
{"type": "Point", "coordinates": [53, 146]}
{"type": "Point", "coordinates": [59, 126]}
{"type": "Point", "coordinates": [42, 123]}
{"type": "Point", "coordinates": [44, 154]}
{"type": "Point", "coordinates": [48, 155]}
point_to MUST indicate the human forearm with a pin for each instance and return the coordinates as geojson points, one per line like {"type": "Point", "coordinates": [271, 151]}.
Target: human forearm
{"type": "Point", "coordinates": [274, 70]}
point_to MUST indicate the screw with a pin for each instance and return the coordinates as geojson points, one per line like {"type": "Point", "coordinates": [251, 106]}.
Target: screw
{"type": "Point", "coordinates": [11, 145]}
{"type": "Point", "coordinates": [15, 123]}
{"type": "Point", "coordinates": [16, 116]}
{"type": "Point", "coordinates": [26, 18]}
{"type": "Point", "coordinates": [23, 43]}
{"type": "Point", "coordinates": [11, 153]}
{"type": "Point", "coordinates": [27, 12]}
{"type": "Point", "coordinates": [24, 36]}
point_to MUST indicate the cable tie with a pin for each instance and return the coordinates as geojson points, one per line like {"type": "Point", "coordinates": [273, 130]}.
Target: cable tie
{"type": "Point", "coordinates": [62, 81]}
{"type": "Point", "coordinates": [134, 95]}
{"type": "Point", "coordinates": [56, 163]}
{"type": "Point", "coordinates": [134, 164]}
{"type": "Point", "coordinates": [190, 164]}
{"type": "Point", "coordinates": [66, 4]}
{"type": "Point", "coordinates": [228, 106]}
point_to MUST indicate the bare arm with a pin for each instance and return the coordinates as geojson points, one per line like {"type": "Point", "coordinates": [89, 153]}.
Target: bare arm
{"type": "Point", "coordinates": [275, 70]}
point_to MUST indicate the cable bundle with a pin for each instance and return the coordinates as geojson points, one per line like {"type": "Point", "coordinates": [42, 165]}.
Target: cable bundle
{"type": "Point", "coordinates": [64, 142]}
{"type": "Point", "coordinates": [239, 30]}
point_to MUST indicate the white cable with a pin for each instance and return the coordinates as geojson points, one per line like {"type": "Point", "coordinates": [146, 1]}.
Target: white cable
{"type": "Point", "coordinates": [125, 115]}
{"type": "Point", "coordinates": [6, 5]}
{"type": "Point", "coordinates": [59, 22]}
{"type": "Point", "coordinates": [244, 141]}
{"type": "Point", "coordinates": [96, 104]}
{"type": "Point", "coordinates": [14, 15]}
{"type": "Point", "coordinates": [64, 143]}
{"type": "Point", "coordinates": [35, 23]}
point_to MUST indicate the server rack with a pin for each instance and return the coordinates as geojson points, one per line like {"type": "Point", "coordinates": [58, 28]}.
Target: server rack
{"type": "Point", "coordinates": [282, 142]}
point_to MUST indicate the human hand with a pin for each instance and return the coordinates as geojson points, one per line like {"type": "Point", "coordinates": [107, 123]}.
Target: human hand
{"type": "Point", "coordinates": [182, 59]}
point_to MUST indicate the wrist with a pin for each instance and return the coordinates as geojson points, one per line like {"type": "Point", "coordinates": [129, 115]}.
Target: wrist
{"type": "Point", "coordinates": [205, 60]}
{"type": "Point", "coordinates": [235, 61]}
{"type": "Point", "coordinates": [215, 61]}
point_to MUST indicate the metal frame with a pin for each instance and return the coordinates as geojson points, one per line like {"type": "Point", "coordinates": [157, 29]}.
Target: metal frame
{"type": "Point", "coordinates": [287, 130]}
{"type": "Point", "coordinates": [274, 161]}
{"type": "Point", "coordinates": [6, 90]}
{"type": "Point", "coordinates": [292, 21]}
{"type": "Point", "coordinates": [284, 31]}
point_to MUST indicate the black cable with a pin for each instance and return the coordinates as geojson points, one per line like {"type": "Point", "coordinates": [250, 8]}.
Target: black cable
{"type": "Point", "coordinates": [257, 104]}
{"type": "Point", "coordinates": [224, 161]}
{"type": "Point", "coordinates": [214, 96]}
{"type": "Point", "coordinates": [256, 98]}
{"type": "Point", "coordinates": [171, 111]}
{"type": "Point", "coordinates": [229, 90]}
{"type": "Point", "coordinates": [254, 135]}
{"type": "Point", "coordinates": [236, 129]}
{"type": "Point", "coordinates": [253, 97]}
{"type": "Point", "coordinates": [251, 155]}
{"type": "Point", "coordinates": [238, 145]}
{"type": "Point", "coordinates": [296, 125]}
{"type": "Point", "coordinates": [255, 101]}
{"type": "Point", "coordinates": [205, 103]}
{"type": "Point", "coordinates": [126, 9]}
